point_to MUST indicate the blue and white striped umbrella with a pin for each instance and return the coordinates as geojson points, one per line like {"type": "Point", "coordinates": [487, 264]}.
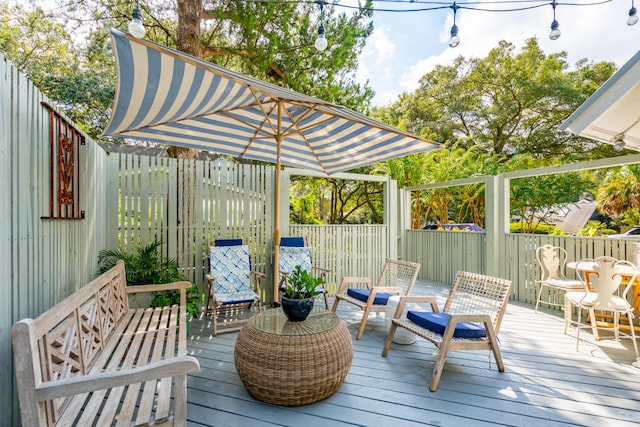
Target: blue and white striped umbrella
{"type": "Point", "coordinates": [167, 96]}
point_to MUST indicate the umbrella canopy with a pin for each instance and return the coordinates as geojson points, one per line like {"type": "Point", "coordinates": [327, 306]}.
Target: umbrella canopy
{"type": "Point", "coordinates": [167, 96]}
{"type": "Point", "coordinates": [611, 114]}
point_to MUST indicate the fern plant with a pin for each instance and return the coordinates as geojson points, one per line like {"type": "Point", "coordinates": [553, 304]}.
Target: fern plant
{"type": "Point", "coordinates": [148, 266]}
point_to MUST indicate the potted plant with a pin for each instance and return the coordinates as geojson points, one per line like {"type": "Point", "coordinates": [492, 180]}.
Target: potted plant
{"type": "Point", "coordinates": [297, 300]}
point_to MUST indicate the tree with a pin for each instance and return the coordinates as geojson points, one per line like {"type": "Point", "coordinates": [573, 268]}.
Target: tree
{"type": "Point", "coordinates": [506, 103]}
{"type": "Point", "coordinates": [535, 199]}
{"type": "Point", "coordinates": [620, 191]}
{"type": "Point", "coordinates": [80, 81]}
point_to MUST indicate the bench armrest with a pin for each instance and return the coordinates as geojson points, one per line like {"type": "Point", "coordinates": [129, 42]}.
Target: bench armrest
{"type": "Point", "coordinates": [182, 286]}
{"type": "Point", "coordinates": [161, 287]}
{"type": "Point", "coordinates": [104, 380]}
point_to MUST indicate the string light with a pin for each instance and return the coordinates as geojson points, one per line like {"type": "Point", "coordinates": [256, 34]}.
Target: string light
{"type": "Point", "coordinates": [136, 29]}
{"type": "Point", "coordinates": [455, 39]}
{"type": "Point", "coordinates": [633, 15]}
{"type": "Point", "coordinates": [555, 30]}
{"type": "Point", "coordinates": [518, 5]}
{"type": "Point", "coordinates": [321, 42]}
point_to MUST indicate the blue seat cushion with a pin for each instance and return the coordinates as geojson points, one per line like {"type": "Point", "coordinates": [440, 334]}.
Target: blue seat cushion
{"type": "Point", "coordinates": [228, 242]}
{"type": "Point", "coordinates": [296, 242]}
{"type": "Point", "coordinates": [363, 295]}
{"type": "Point", "coordinates": [437, 322]}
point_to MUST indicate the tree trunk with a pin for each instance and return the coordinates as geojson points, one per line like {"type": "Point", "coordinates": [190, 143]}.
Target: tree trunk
{"type": "Point", "coordinates": [189, 16]}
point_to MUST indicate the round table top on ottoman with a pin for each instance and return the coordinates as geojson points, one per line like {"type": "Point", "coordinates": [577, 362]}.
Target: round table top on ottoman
{"type": "Point", "coordinates": [293, 363]}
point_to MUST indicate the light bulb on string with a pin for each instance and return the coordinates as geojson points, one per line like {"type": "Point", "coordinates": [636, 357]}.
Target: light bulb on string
{"type": "Point", "coordinates": [454, 40]}
{"type": "Point", "coordinates": [136, 29]}
{"type": "Point", "coordinates": [633, 16]}
{"type": "Point", "coordinates": [321, 42]}
{"type": "Point", "coordinates": [555, 27]}
{"type": "Point", "coordinates": [555, 30]}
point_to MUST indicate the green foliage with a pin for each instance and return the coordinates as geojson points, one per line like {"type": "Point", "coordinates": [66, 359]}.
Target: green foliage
{"type": "Point", "coordinates": [148, 266]}
{"type": "Point", "coordinates": [594, 228]}
{"type": "Point", "coordinates": [619, 193]}
{"type": "Point", "coordinates": [506, 103]}
{"type": "Point", "coordinates": [535, 199]}
{"type": "Point", "coordinates": [301, 284]}
{"type": "Point", "coordinates": [336, 201]}
{"type": "Point", "coordinates": [168, 298]}
{"type": "Point", "coordinates": [518, 227]}
{"type": "Point", "coordinates": [630, 217]}
{"type": "Point", "coordinates": [303, 210]}
{"type": "Point", "coordinates": [144, 267]}
{"type": "Point", "coordinates": [79, 80]}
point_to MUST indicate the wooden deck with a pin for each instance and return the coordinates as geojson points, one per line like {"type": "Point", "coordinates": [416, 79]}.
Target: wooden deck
{"type": "Point", "coordinates": [546, 382]}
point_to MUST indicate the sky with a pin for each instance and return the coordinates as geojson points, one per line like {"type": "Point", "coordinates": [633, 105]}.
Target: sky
{"type": "Point", "coordinates": [405, 46]}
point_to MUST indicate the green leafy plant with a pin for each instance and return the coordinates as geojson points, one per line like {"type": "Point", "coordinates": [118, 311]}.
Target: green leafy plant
{"type": "Point", "coordinates": [149, 266]}
{"type": "Point", "coordinates": [168, 298]}
{"type": "Point", "coordinates": [301, 284]}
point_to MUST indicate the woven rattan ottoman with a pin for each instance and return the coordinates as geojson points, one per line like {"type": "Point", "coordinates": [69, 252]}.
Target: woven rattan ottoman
{"type": "Point", "coordinates": [293, 363]}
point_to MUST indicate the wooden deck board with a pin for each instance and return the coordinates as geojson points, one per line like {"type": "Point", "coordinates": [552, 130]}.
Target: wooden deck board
{"type": "Point", "coordinates": [546, 382]}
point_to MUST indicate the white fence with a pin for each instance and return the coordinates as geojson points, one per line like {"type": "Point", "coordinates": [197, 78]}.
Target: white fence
{"type": "Point", "coordinates": [185, 203]}
{"type": "Point", "coordinates": [346, 250]}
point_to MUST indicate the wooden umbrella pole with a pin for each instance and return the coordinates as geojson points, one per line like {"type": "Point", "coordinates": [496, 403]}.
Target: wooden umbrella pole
{"type": "Point", "coordinates": [276, 229]}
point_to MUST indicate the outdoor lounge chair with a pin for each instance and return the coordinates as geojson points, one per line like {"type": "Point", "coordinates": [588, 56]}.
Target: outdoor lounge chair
{"type": "Point", "coordinates": [295, 251]}
{"type": "Point", "coordinates": [470, 320]}
{"type": "Point", "coordinates": [233, 287]}
{"type": "Point", "coordinates": [552, 260]}
{"type": "Point", "coordinates": [397, 278]}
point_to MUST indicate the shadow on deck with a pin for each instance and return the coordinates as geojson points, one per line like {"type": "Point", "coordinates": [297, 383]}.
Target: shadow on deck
{"type": "Point", "coordinates": [546, 382]}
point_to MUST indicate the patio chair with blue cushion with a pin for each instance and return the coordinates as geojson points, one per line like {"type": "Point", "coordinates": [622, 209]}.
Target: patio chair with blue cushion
{"type": "Point", "coordinates": [233, 287]}
{"type": "Point", "coordinates": [397, 278]}
{"type": "Point", "coordinates": [470, 320]}
{"type": "Point", "coordinates": [295, 251]}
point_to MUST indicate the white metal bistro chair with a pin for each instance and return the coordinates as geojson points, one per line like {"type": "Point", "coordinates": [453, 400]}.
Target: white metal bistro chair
{"type": "Point", "coordinates": [603, 279]}
{"type": "Point", "coordinates": [552, 261]}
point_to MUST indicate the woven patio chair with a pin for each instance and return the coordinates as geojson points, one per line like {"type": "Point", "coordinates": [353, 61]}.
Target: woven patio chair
{"type": "Point", "coordinates": [296, 251]}
{"type": "Point", "coordinates": [397, 278]}
{"type": "Point", "coordinates": [470, 319]}
{"type": "Point", "coordinates": [233, 287]}
{"type": "Point", "coordinates": [552, 260]}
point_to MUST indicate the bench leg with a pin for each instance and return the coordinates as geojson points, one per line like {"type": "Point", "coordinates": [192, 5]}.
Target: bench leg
{"type": "Point", "coordinates": [180, 401]}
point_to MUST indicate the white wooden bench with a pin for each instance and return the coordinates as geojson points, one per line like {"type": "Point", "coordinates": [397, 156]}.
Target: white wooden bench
{"type": "Point", "coordinates": [91, 360]}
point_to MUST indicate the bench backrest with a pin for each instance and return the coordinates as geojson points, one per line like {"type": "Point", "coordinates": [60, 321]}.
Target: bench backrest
{"type": "Point", "coordinates": [65, 340]}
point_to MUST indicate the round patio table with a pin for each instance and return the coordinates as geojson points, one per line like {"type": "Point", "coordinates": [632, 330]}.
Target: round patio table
{"type": "Point", "coordinates": [293, 363]}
